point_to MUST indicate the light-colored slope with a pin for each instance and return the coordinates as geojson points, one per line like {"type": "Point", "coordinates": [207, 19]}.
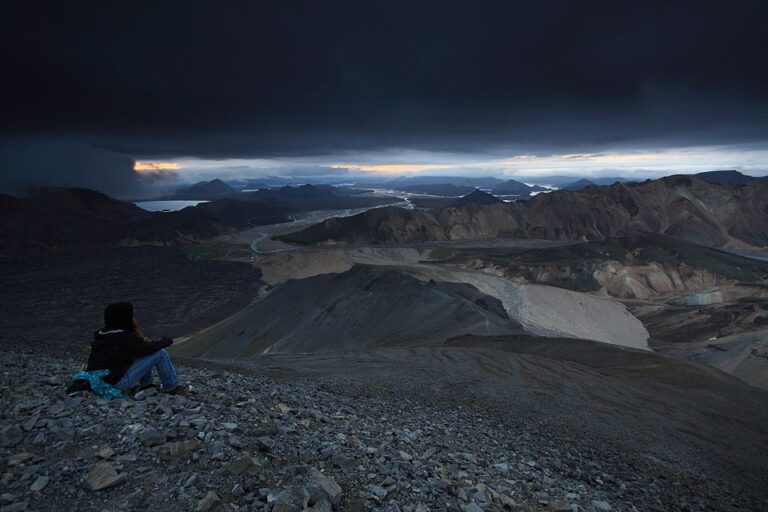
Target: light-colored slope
{"type": "Point", "coordinates": [550, 311]}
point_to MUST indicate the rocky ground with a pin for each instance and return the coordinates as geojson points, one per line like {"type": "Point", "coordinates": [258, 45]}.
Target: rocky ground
{"type": "Point", "coordinates": [256, 442]}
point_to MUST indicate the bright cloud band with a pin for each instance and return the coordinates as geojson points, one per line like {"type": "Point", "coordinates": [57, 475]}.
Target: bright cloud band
{"type": "Point", "coordinates": [156, 166]}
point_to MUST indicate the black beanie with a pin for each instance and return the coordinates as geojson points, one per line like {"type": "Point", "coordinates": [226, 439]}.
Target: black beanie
{"type": "Point", "coordinates": [119, 316]}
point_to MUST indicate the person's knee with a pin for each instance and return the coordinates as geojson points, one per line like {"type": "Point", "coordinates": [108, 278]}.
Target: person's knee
{"type": "Point", "coordinates": [164, 354]}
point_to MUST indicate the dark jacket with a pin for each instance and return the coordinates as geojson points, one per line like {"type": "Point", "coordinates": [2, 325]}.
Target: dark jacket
{"type": "Point", "coordinates": [116, 350]}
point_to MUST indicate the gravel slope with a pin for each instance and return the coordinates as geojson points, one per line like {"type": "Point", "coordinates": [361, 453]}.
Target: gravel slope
{"type": "Point", "coordinates": [248, 441]}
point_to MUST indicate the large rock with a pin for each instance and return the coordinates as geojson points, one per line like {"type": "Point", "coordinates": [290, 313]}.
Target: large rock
{"type": "Point", "coordinates": [179, 449]}
{"type": "Point", "coordinates": [292, 499]}
{"type": "Point", "coordinates": [151, 436]}
{"type": "Point", "coordinates": [243, 466]}
{"type": "Point", "coordinates": [10, 436]}
{"type": "Point", "coordinates": [321, 487]}
{"type": "Point", "coordinates": [39, 484]}
{"type": "Point", "coordinates": [210, 502]}
{"type": "Point", "coordinates": [103, 476]}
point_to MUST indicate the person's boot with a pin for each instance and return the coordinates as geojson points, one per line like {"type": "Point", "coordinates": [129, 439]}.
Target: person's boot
{"type": "Point", "coordinates": [139, 387]}
{"type": "Point", "coordinates": [181, 389]}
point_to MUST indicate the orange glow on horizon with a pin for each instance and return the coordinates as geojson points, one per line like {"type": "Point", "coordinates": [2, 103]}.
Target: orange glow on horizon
{"type": "Point", "coordinates": [392, 168]}
{"type": "Point", "coordinates": [155, 166]}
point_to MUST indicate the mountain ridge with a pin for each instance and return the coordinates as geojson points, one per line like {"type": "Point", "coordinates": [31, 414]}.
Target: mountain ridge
{"type": "Point", "coordinates": [683, 206]}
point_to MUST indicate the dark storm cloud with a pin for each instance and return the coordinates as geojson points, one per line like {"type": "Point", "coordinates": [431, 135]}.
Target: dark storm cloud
{"type": "Point", "coordinates": [306, 78]}
{"type": "Point", "coordinates": [64, 163]}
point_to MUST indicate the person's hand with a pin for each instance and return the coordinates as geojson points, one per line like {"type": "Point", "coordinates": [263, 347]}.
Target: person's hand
{"type": "Point", "coordinates": [167, 341]}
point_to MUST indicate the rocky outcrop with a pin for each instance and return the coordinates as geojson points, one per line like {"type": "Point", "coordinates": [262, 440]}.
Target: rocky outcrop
{"type": "Point", "coordinates": [497, 220]}
{"type": "Point", "coordinates": [645, 281]}
{"type": "Point", "coordinates": [686, 207]}
{"type": "Point", "coordinates": [387, 225]}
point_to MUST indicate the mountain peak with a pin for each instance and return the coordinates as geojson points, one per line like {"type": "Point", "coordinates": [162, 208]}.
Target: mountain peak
{"type": "Point", "coordinates": [725, 177]}
{"type": "Point", "coordinates": [579, 184]}
{"type": "Point", "coordinates": [480, 197]}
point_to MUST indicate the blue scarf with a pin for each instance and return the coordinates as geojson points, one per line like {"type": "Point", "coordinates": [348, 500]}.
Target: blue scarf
{"type": "Point", "coordinates": [102, 389]}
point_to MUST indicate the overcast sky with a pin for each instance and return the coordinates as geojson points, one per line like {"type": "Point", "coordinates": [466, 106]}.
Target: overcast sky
{"type": "Point", "coordinates": [312, 88]}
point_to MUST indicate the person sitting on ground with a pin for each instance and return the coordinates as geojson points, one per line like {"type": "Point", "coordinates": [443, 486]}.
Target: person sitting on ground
{"type": "Point", "coordinates": [120, 348]}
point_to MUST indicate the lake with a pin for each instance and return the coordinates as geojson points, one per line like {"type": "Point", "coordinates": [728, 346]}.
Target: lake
{"type": "Point", "coordinates": [166, 206]}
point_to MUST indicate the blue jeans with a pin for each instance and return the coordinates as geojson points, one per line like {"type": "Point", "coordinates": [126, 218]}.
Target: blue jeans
{"type": "Point", "coordinates": [141, 372]}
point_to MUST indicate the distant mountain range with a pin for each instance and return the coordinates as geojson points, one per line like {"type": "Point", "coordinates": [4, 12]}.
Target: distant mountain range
{"type": "Point", "coordinates": [439, 189]}
{"type": "Point", "coordinates": [688, 207]}
{"type": "Point", "coordinates": [565, 181]}
{"type": "Point", "coordinates": [448, 186]}
{"type": "Point", "coordinates": [722, 208]}
{"type": "Point", "coordinates": [204, 191]}
{"type": "Point", "coordinates": [403, 182]}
